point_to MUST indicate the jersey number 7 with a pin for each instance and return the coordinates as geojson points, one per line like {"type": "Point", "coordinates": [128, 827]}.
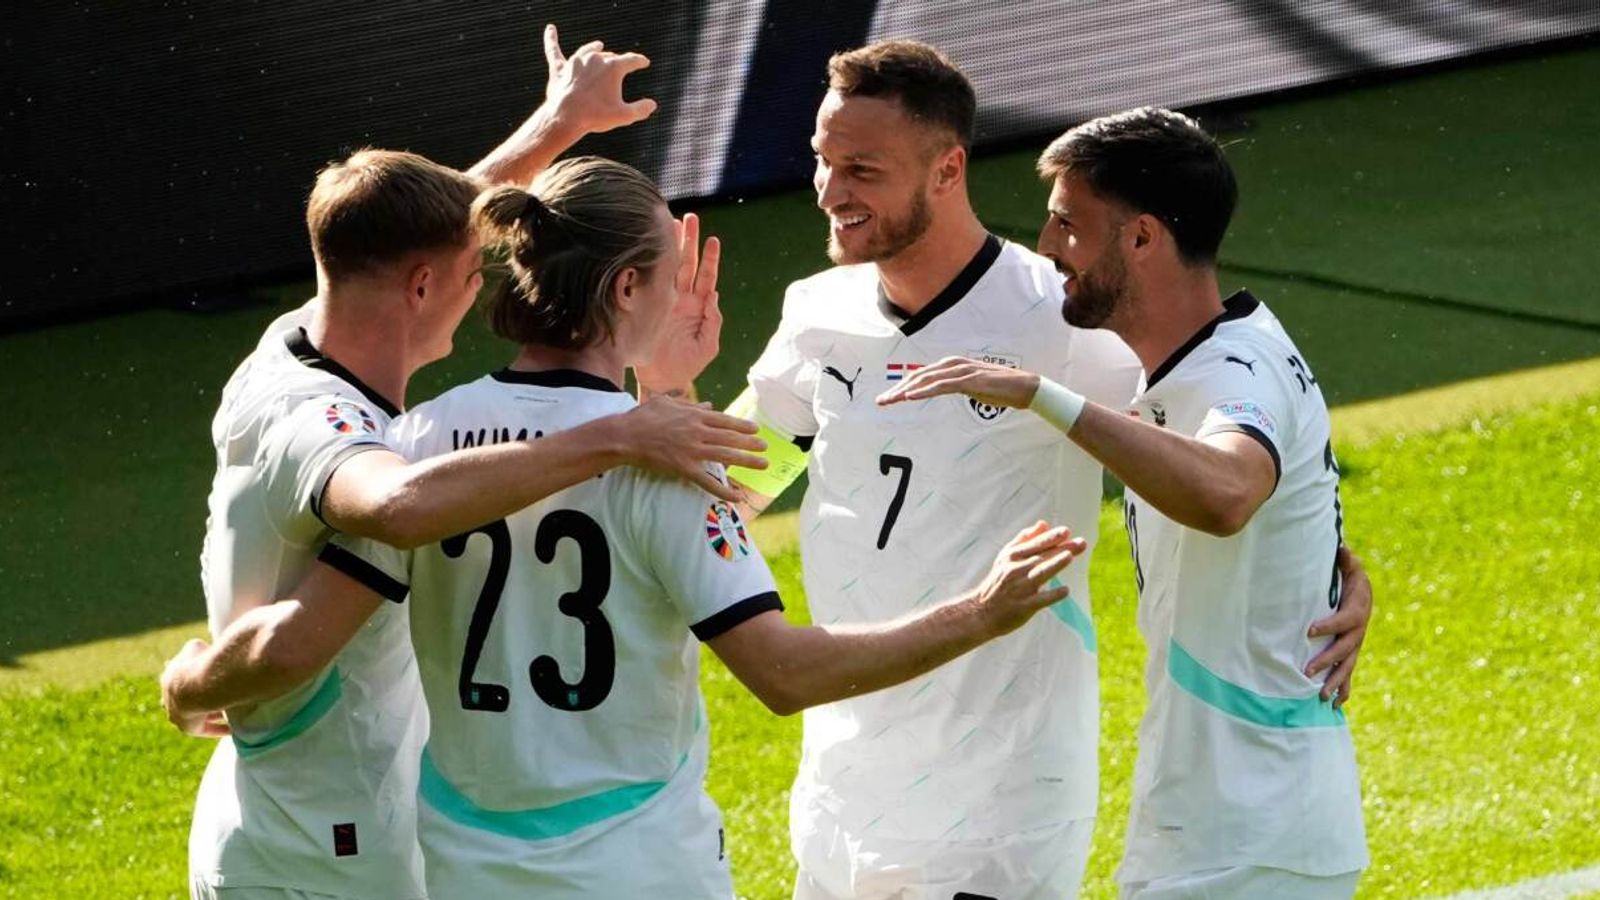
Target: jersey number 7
{"type": "Point", "coordinates": [583, 604]}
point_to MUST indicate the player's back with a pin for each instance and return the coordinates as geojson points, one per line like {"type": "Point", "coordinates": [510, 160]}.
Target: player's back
{"type": "Point", "coordinates": [313, 789]}
{"type": "Point", "coordinates": [558, 655]}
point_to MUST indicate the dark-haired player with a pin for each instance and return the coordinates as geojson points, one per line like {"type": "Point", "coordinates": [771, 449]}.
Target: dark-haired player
{"type": "Point", "coordinates": [1246, 784]}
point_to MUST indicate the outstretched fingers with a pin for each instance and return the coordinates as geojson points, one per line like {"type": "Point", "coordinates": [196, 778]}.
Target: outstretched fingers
{"type": "Point", "coordinates": [688, 252]}
{"type": "Point", "coordinates": [922, 383]}
{"type": "Point", "coordinates": [1049, 567]}
{"type": "Point", "coordinates": [1035, 540]}
{"type": "Point", "coordinates": [705, 275]}
{"type": "Point", "coordinates": [552, 48]}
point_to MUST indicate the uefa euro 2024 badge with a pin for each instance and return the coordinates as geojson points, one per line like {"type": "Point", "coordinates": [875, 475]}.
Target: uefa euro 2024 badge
{"type": "Point", "coordinates": [350, 418]}
{"type": "Point", "coordinates": [725, 533]}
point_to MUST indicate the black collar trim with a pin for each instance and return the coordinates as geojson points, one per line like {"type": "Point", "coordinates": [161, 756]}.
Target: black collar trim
{"type": "Point", "coordinates": [299, 344]}
{"type": "Point", "coordinates": [1241, 304]}
{"type": "Point", "coordinates": [950, 296]}
{"type": "Point", "coordinates": [556, 378]}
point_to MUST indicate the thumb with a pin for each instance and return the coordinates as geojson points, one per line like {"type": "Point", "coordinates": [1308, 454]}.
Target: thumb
{"type": "Point", "coordinates": [639, 110]}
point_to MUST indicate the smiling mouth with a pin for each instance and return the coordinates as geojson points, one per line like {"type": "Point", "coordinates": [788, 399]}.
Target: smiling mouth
{"type": "Point", "coordinates": [845, 223]}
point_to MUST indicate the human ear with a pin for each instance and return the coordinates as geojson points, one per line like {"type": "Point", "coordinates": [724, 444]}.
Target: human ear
{"type": "Point", "coordinates": [951, 166]}
{"type": "Point", "coordinates": [624, 287]}
{"type": "Point", "coordinates": [1146, 230]}
{"type": "Point", "coordinates": [417, 283]}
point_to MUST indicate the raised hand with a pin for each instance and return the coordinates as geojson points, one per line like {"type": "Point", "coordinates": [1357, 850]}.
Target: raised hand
{"type": "Point", "coordinates": [989, 383]}
{"type": "Point", "coordinates": [670, 437]}
{"type": "Point", "coordinates": [585, 89]}
{"type": "Point", "coordinates": [1017, 585]}
{"type": "Point", "coordinates": [692, 334]}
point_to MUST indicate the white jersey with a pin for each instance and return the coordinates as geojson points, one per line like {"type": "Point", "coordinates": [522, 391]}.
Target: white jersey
{"type": "Point", "coordinates": [557, 646]}
{"type": "Point", "coordinates": [315, 790]}
{"type": "Point", "coordinates": [908, 506]}
{"type": "Point", "coordinates": [1240, 763]}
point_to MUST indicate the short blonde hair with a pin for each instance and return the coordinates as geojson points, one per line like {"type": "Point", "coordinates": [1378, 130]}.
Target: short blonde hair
{"type": "Point", "coordinates": [378, 206]}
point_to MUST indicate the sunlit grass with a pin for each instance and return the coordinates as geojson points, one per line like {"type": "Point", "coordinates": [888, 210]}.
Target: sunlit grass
{"type": "Point", "coordinates": [1469, 713]}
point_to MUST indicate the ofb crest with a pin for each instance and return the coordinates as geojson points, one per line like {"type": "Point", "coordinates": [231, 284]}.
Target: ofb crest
{"type": "Point", "coordinates": [985, 412]}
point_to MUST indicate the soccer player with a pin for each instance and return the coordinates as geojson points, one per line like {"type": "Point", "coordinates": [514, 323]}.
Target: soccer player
{"type": "Point", "coordinates": [1246, 784]}
{"type": "Point", "coordinates": [557, 645]}
{"type": "Point", "coordinates": [314, 793]}
{"type": "Point", "coordinates": [980, 778]}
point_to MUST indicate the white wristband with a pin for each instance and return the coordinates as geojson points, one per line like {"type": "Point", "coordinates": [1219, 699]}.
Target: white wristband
{"type": "Point", "coordinates": [1057, 405]}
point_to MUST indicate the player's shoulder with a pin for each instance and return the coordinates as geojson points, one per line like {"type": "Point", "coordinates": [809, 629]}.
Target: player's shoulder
{"type": "Point", "coordinates": [825, 293]}
{"type": "Point", "coordinates": [1246, 328]}
{"type": "Point", "coordinates": [1022, 271]}
{"type": "Point", "coordinates": [413, 433]}
{"type": "Point", "coordinates": [273, 386]}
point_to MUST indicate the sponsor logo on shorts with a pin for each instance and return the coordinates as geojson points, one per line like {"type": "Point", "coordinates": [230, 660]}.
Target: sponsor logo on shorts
{"type": "Point", "coordinates": [350, 418]}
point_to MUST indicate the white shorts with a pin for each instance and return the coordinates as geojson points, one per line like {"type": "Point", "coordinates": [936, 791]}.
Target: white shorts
{"type": "Point", "coordinates": [1244, 883]}
{"type": "Point", "coordinates": [1041, 864]}
{"type": "Point", "coordinates": [671, 848]}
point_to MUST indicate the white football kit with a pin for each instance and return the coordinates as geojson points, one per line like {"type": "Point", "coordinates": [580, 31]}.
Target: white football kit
{"type": "Point", "coordinates": [315, 791]}
{"type": "Point", "coordinates": [908, 506]}
{"type": "Point", "coordinates": [1240, 763]}
{"type": "Point", "coordinates": [558, 656]}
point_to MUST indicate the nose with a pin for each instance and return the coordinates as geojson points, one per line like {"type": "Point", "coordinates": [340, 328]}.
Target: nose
{"type": "Point", "coordinates": [1043, 243]}
{"type": "Point", "coordinates": [830, 193]}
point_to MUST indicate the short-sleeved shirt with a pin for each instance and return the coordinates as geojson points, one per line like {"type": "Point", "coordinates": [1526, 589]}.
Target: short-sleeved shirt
{"type": "Point", "coordinates": [1240, 763]}
{"type": "Point", "coordinates": [315, 789]}
{"type": "Point", "coordinates": [908, 506]}
{"type": "Point", "coordinates": [558, 646]}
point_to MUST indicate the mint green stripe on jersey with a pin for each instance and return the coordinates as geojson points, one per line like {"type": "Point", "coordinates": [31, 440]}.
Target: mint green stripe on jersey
{"type": "Point", "coordinates": [1073, 616]}
{"type": "Point", "coordinates": [531, 824]}
{"type": "Point", "coordinates": [318, 706]}
{"type": "Point", "coordinates": [1243, 703]}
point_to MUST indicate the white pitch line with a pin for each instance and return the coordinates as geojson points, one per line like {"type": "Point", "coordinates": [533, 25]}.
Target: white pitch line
{"type": "Point", "coordinates": [1550, 887]}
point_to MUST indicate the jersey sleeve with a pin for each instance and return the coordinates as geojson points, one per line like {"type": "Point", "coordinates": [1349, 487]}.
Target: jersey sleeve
{"type": "Point", "coordinates": [1251, 400]}
{"type": "Point", "coordinates": [383, 569]}
{"type": "Point", "coordinates": [702, 554]}
{"type": "Point", "coordinates": [783, 380]}
{"type": "Point", "coordinates": [303, 450]}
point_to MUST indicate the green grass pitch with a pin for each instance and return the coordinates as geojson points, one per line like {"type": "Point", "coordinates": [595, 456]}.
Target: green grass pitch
{"type": "Point", "coordinates": [1472, 712]}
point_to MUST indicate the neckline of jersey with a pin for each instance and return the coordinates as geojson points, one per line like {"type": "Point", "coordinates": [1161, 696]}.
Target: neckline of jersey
{"type": "Point", "coordinates": [556, 378]}
{"type": "Point", "coordinates": [1238, 305]}
{"type": "Point", "coordinates": [952, 293]}
{"type": "Point", "coordinates": [300, 346]}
